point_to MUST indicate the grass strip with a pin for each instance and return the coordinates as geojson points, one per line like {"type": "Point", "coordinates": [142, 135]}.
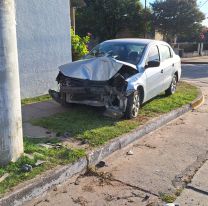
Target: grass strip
{"type": "Point", "coordinates": [87, 123]}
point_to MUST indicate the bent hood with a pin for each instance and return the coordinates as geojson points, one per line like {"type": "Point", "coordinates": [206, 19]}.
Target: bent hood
{"type": "Point", "coordinates": [95, 69]}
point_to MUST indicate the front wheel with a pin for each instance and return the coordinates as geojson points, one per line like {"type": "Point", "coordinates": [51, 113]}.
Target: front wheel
{"type": "Point", "coordinates": [133, 105]}
{"type": "Point", "coordinates": [172, 89]}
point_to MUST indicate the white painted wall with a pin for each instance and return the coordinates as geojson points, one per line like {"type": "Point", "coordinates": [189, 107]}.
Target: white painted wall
{"type": "Point", "coordinates": [43, 39]}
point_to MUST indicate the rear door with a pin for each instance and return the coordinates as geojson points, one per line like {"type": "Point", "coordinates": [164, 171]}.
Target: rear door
{"type": "Point", "coordinates": [154, 75]}
{"type": "Point", "coordinates": [167, 64]}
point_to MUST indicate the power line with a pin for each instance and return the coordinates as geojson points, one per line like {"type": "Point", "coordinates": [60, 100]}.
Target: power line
{"type": "Point", "coordinates": [203, 4]}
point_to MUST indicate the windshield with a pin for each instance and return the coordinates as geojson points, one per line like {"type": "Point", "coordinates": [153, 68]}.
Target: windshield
{"type": "Point", "coordinates": [127, 52]}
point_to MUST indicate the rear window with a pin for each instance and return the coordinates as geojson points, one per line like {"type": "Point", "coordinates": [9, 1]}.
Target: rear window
{"type": "Point", "coordinates": [165, 52]}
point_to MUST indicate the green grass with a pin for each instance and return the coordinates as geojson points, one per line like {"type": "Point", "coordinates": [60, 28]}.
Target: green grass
{"type": "Point", "coordinates": [52, 156]}
{"type": "Point", "coordinates": [89, 123]}
{"type": "Point", "coordinates": [162, 104]}
{"type": "Point", "coordinates": [167, 198]}
{"type": "Point", "coordinates": [36, 99]}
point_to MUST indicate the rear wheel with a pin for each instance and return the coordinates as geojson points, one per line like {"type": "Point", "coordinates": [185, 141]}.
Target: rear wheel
{"type": "Point", "coordinates": [172, 89]}
{"type": "Point", "coordinates": [133, 105]}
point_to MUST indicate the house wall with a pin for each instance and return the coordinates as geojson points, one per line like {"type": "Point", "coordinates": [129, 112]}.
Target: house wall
{"type": "Point", "coordinates": [43, 39]}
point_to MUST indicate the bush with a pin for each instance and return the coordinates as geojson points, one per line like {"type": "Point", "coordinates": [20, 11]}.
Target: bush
{"type": "Point", "coordinates": [79, 45]}
{"type": "Point", "coordinates": [189, 47]}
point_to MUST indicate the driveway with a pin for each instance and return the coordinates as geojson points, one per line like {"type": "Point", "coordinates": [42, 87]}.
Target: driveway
{"type": "Point", "coordinates": [151, 167]}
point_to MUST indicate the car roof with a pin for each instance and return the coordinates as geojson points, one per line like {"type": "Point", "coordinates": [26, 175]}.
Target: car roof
{"type": "Point", "coordinates": [135, 40]}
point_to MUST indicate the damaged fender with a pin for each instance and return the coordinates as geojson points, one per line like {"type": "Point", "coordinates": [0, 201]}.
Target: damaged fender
{"type": "Point", "coordinates": [99, 81]}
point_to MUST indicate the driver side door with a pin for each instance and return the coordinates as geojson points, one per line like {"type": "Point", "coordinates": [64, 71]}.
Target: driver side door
{"type": "Point", "coordinates": [154, 75]}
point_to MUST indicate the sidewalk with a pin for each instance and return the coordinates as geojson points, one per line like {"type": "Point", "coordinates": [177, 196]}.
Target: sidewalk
{"type": "Point", "coordinates": [36, 111]}
{"type": "Point", "coordinates": [196, 192]}
{"type": "Point", "coordinates": [195, 60]}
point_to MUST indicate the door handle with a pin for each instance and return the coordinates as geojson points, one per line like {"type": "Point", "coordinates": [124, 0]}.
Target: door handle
{"type": "Point", "coordinates": [173, 65]}
{"type": "Point", "coordinates": [162, 71]}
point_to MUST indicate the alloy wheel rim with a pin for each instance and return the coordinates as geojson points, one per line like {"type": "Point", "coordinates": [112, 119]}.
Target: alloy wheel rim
{"type": "Point", "coordinates": [173, 85]}
{"type": "Point", "coordinates": [136, 105]}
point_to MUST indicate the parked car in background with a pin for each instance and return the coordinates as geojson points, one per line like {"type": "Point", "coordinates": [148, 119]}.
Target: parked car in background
{"type": "Point", "coordinates": [120, 75]}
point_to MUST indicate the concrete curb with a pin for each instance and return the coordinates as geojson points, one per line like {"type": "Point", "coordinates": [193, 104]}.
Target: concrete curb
{"type": "Point", "coordinates": [198, 101]}
{"type": "Point", "coordinates": [41, 184]}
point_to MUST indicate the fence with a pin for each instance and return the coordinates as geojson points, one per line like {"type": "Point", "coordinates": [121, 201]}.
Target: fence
{"type": "Point", "coordinates": [191, 49]}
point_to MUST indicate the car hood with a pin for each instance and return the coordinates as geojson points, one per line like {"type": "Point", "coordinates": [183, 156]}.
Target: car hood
{"type": "Point", "coordinates": [95, 69]}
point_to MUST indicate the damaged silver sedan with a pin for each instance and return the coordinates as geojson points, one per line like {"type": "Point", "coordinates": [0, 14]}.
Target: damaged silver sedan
{"type": "Point", "coordinates": [120, 75]}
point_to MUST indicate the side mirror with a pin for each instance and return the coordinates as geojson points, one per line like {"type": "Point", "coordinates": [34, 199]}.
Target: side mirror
{"type": "Point", "coordinates": [153, 63]}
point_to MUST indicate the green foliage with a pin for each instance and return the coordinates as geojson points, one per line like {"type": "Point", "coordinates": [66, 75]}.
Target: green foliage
{"type": "Point", "coordinates": [98, 129]}
{"type": "Point", "coordinates": [106, 18]}
{"type": "Point", "coordinates": [79, 45]}
{"type": "Point", "coordinates": [173, 17]}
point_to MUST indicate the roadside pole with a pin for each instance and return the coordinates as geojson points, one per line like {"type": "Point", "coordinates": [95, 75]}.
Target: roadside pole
{"type": "Point", "coordinates": [11, 140]}
{"type": "Point", "coordinates": [145, 19]}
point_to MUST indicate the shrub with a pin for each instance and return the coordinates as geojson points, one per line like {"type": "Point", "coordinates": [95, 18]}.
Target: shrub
{"type": "Point", "coordinates": [79, 45]}
{"type": "Point", "coordinates": [189, 47]}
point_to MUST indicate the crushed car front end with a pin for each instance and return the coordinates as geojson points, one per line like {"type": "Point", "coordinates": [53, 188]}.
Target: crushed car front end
{"type": "Point", "coordinates": [101, 92]}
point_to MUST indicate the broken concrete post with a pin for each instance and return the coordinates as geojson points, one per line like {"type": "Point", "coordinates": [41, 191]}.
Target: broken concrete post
{"type": "Point", "coordinates": [11, 141]}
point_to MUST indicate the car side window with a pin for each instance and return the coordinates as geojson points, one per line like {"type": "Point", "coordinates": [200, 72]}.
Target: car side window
{"type": "Point", "coordinates": [165, 52]}
{"type": "Point", "coordinates": [153, 54]}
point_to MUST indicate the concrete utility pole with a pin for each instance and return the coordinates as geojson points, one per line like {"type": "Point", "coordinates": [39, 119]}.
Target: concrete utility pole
{"type": "Point", "coordinates": [11, 141]}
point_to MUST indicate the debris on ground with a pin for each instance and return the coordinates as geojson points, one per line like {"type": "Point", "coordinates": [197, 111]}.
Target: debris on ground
{"type": "Point", "coordinates": [146, 198]}
{"type": "Point", "coordinates": [57, 146]}
{"type": "Point", "coordinates": [101, 164]}
{"type": "Point", "coordinates": [130, 152]}
{"type": "Point", "coordinates": [84, 141]}
{"type": "Point", "coordinates": [26, 168]}
{"type": "Point", "coordinates": [39, 162]}
{"type": "Point", "coordinates": [2, 178]}
{"type": "Point", "coordinates": [48, 146]}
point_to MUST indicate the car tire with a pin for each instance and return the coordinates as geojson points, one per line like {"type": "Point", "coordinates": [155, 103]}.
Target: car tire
{"type": "Point", "coordinates": [133, 105]}
{"type": "Point", "coordinates": [172, 89]}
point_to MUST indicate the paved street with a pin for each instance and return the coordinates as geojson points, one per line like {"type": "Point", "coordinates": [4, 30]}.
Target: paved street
{"type": "Point", "coordinates": [200, 60]}
{"type": "Point", "coordinates": [141, 178]}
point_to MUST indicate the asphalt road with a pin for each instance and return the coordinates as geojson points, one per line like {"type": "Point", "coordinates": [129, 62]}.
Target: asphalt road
{"type": "Point", "coordinates": [140, 179]}
{"type": "Point", "coordinates": [194, 72]}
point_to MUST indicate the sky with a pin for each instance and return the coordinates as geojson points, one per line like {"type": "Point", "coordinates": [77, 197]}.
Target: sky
{"type": "Point", "coordinates": [202, 3]}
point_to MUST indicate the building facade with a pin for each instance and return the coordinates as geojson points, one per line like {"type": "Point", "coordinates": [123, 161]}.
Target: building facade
{"type": "Point", "coordinates": [43, 41]}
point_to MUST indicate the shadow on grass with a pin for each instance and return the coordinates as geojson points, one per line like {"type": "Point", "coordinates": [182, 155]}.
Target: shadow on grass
{"type": "Point", "coordinates": [84, 122]}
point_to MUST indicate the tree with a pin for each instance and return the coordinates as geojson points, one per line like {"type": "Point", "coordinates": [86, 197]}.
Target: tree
{"type": "Point", "coordinates": [77, 3]}
{"type": "Point", "coordinates": [176, 17]}
{"type": "Point", "coordinates": [106, 18]}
